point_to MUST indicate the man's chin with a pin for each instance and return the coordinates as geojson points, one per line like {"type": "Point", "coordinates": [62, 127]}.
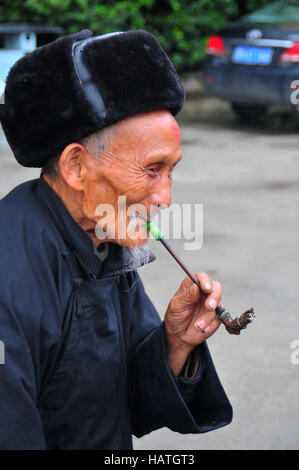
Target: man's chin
{"type": "Point", "coordinates": [133, 243]}
{"type": "Point", "coordinates": [133, 240]}
{"type": "Point", "coordinates": [136, 236]}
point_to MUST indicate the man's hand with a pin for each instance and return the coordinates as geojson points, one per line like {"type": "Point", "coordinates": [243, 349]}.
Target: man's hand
{"type": "Point", "coordinates": [190, 318]}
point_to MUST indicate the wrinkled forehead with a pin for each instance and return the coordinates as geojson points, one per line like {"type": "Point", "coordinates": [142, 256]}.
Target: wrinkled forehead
{"type": "Point", "coordinates": [151, 122]}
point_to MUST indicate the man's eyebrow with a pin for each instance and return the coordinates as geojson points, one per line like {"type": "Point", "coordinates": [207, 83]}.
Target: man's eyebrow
{"type": "Point", "coordinates": [160, 161]}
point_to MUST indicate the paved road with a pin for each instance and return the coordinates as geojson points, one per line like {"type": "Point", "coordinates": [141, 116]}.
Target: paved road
{"type": "Point", "coordinates": [248, 181]}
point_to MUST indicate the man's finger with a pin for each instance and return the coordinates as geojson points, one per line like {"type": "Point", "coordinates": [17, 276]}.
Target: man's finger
{"type": "Point", "coordinates": [188, 297]}
{"type": "Point", "coordinates": [204, 281]}
{"type": "Point", "coordinates": [214, 297]}
{"type": "Point", "coordinates": [204, 320]}
{"type": "Point", "coordinates": [208, 323]}
{"type": "Point", "coordinates": [212, 327]}
{"type": "Point", "coordinates": [192, 294]}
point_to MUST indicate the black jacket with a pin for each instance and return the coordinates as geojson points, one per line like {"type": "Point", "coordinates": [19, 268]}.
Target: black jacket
{"type": "Point", "coordinates": [85, 359]}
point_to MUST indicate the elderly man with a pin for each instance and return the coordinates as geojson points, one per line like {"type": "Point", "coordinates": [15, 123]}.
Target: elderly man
{"type": "Point", "coordinates": [88, 362]}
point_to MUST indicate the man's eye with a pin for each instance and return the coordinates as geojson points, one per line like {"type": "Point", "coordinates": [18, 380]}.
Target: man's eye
{"type": "Point", "coordinates": [153, 170]}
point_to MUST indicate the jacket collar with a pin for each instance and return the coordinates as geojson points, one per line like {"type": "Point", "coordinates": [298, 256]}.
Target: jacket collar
{"type": "Point", "coordinates": [82, 246]}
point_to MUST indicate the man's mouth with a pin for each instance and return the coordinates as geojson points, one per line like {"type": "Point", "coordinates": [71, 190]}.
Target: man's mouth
{"type": "Point", "coordinates": [138, 216]}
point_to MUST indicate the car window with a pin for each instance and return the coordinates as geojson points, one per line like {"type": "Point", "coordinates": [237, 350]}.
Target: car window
{"type": "Point", "coordinates": [282, 11]}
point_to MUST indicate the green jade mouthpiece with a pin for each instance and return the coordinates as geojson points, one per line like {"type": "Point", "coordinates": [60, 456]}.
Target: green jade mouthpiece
{"type": "Point", "coordinates": [154, 230]}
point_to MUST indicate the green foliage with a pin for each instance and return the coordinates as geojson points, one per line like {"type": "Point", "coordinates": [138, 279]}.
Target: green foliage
{"type": "Point", "coordinates": [182, 27]}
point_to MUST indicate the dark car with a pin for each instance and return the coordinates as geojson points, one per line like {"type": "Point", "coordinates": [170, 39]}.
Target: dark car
{"type": "Point", "coordinates": [254, 63]}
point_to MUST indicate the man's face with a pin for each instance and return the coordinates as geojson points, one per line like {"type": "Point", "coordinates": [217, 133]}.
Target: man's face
{"type": "Point", "coordinates": [135, 168]}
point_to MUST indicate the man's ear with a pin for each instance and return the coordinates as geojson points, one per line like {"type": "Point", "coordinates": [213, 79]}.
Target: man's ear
{"type": "Point", "coordinates": [72, 165]}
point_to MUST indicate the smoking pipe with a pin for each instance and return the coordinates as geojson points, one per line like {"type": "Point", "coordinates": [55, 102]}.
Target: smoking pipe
{"type": "Point", "coordinates": [232, 325]}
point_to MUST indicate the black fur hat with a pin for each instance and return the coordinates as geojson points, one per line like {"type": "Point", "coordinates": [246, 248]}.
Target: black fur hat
{"type": "Point", "coordinates": [79, 84]}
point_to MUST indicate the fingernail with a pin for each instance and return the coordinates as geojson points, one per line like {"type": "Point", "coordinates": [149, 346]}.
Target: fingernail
{"type": "Point", "coordinates": [200, 325]}
{"type": "Point", "coordinates": [207, 286]}
{"type": "Point", "coordinates": [212, 304]}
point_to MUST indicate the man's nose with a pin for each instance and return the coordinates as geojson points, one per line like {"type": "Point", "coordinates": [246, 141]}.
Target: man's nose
{"type": "Point", "coordinates": [162, 195]}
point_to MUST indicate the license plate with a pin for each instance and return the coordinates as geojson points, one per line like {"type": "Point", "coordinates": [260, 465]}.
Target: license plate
{"type": "Point", "coordinates": [252, 55]}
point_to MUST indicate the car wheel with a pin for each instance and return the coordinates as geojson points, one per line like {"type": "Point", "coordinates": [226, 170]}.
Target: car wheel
{"type": "Point", "coordinates": [249, 113]}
